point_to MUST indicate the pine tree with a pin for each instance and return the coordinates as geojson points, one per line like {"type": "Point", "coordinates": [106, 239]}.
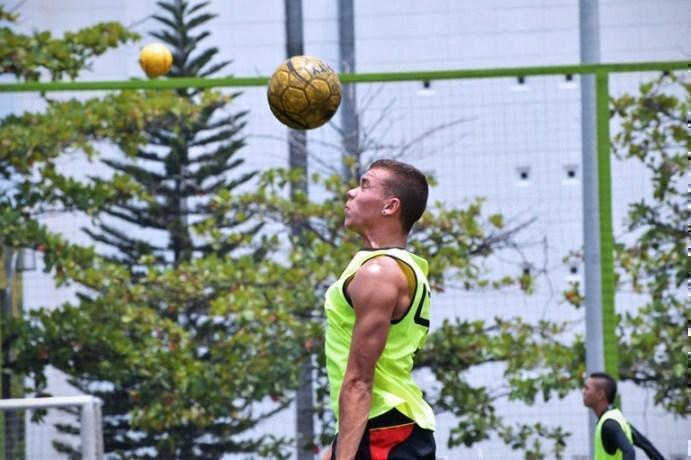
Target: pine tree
{"type": "Point", "coordinates": [186, 162]}
{"type": "Point", "coordinates": [184, 165]}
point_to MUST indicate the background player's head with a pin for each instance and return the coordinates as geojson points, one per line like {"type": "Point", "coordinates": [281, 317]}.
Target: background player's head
{"type": "Point", "coordinates": [599, 388]}
{"type": "Point", "coordinates": [391, 194]}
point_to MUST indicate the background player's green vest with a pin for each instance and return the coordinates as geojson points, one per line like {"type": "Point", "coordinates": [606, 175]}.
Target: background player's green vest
{"type": "Point", "coordinates": [393, 386]}
{"type": "Point", "coordinates": [617, 416]}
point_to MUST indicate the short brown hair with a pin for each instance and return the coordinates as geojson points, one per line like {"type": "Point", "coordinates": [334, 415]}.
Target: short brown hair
{"type": "Point", "coordinates": [409, 186]}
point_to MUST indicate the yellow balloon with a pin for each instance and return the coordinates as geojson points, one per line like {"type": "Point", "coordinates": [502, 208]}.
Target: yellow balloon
{"type": "Point", "coordinates": [155, 60]}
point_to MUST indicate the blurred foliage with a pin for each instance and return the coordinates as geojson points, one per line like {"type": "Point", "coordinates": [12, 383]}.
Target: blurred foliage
{"type": "Point", "coordinates": [152, 358]}
{"type": "Point", "coordinates": [651, 254]}
{"type": "Point", "coordinates": [652, 257]}
{"type": "Point", "coordinates": [28, 57]}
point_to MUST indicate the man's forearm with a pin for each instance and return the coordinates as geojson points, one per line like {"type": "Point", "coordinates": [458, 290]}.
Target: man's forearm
{"type": "Point", "coordinates": [642, 442]}
{"type": "Point", "coordinates": [354, 405]}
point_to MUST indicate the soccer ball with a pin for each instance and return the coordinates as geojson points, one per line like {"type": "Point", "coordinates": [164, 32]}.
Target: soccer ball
{"type": "Point", "coordinates": [304, 92]}
{"type": "Point", "coordinates": [155, 60]}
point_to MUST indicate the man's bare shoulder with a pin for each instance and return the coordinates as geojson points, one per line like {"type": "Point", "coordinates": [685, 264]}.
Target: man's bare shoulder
{"type": "Point", "coordinates": [382, 269]}
{"type": "Point", "coordinates": [377, 288]}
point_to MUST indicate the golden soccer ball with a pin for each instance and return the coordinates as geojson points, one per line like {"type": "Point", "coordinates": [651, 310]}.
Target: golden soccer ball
{"type": "Point", "coordinates": [304, 92]}
{"type": "Point", "coordinates": [155, 60]}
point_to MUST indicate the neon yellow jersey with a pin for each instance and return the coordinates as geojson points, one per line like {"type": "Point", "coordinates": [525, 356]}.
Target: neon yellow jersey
{"type": "Point", "coordinates": [393, 385]}
{"type": "Point", "coordinates": [617, 416]}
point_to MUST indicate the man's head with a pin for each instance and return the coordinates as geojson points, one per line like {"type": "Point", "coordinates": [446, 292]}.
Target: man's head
{"type": "Point", "coordinates": [388, 188]}
{"type": "Point", "coordinates": [600, 389]}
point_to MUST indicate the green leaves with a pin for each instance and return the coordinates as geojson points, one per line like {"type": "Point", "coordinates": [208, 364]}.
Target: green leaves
{"type": "Point", "coordinates": [652, 258]}
{"type": "Point", "coordinates": [148, 331]}
{"type": "Point", "coordinates": [535, 365]}
{"type": "Point", "coordinates": [33, 138]}
{"type": "Point", "coordinates": [27, 57]}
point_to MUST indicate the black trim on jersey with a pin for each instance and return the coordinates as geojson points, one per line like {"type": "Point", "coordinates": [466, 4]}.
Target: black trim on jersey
{"type": "Point", "coordinates": [418, 312]}
{"type": "Point", "coordinates": [345, 293]}
{"type": "Point", "coordinates": [384, 247]}
{"type": "Point", "coordinates": [393, 321]}
{"type": "Point", "coordinates": [389, 419]}
{"type": "Point", "coordinates": [396, 321]}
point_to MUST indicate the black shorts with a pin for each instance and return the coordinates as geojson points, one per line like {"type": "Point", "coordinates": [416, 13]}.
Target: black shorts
{"type": "Point", "coordinates": [393, 436]}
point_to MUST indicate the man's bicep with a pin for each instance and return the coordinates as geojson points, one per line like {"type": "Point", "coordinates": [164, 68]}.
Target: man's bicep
{"type": "Point", "coordinates": [614, 438]}
{"type": "Point", "coordinates": [374, 300]}
{"type": "Point", "coordinates": [369, 339]}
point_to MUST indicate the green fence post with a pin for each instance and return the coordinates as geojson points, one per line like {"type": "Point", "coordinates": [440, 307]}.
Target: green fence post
{"type": "Point", "coordinates": [610, 344]}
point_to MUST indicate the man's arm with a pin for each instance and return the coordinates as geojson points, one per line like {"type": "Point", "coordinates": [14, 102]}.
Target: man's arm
{"type": "Point", "coordinates": [613, 438]}
{"type": "Point", "coordinates": [642, 442]}
{"type": "Point", "coordinates": [374, 291]}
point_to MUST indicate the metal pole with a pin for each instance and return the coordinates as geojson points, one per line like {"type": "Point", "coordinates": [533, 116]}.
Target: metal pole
{"type": "Point", "coordinates": [92, 443]}
{"type": "Point", "coordinates": [13, 423]}
{"type": "Point", "coordinates": [591, 222]}
{"type": "Point", "coordinates": [91, 428]}
{"type": "Point", "coordinates": [3, 318]}
{"type": "Point", "coordinates": [87, 428]}
{"type": "Point", "coordinates": [47, 402]}
{"type": "Point", "coordinates": [297, 159]}
{"type": "Point", "coordinates": [349, 116]}
{"type": "Point", "coordinates": [297, 140]}
{"type": "Point", "coordinates": [590, 53]}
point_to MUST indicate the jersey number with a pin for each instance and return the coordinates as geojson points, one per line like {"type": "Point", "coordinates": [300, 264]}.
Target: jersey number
{"type": "Point", "coordinates": [418, 311]}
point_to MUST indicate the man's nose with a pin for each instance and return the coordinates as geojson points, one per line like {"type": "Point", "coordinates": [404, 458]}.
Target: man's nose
{"type": "Point", "coordinates": [350, 194]}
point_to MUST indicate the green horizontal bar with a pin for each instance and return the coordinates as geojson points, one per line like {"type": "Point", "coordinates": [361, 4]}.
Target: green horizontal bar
{"type": "Point", "coordinates": [514, 72]}
{"type": "Point", "coordinates": [172, 83]}
{"type": "Point", "coordinates": [169, 83]}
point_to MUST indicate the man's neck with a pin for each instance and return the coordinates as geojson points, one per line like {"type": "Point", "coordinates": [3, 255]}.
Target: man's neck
{"type": "Point", "coordinates": [384, 239]}
{"type": "Point", "coordinates": [386, 243]}
{"type": "Point", "coordinates": [599, 410]}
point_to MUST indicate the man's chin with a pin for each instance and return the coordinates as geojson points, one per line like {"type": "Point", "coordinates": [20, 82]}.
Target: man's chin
{"type": "Point", "coordinates": [349, 226]}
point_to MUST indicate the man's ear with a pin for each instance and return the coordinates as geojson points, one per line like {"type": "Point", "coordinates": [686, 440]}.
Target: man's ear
{"type": "Point", "coordinates": [392, 205]}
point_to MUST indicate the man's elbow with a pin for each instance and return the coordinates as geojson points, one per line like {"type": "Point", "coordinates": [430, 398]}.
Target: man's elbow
{"type": "Point", "coordinates": [628, 452]}
{"type": "Point", "coordinates": [357, 384]}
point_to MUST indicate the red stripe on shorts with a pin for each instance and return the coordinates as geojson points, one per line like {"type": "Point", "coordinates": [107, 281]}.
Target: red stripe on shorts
{"type": "Point", "coordinates": [382, 440]}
